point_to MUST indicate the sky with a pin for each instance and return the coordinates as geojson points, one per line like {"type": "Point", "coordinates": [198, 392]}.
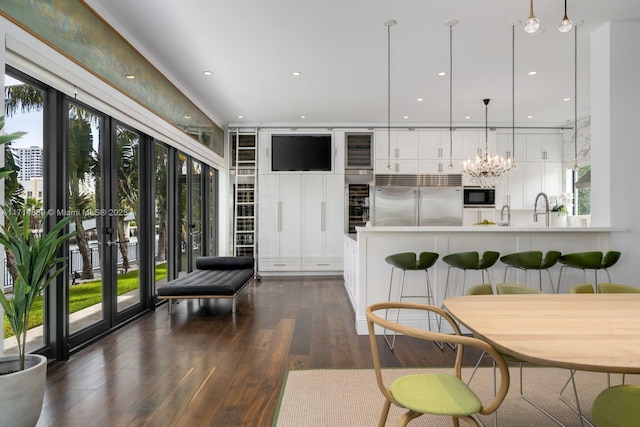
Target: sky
{"type": "Point", "coordinates": [20, 122]}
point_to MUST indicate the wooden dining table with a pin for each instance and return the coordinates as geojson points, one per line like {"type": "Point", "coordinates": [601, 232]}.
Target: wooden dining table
{"type": "Point", "coordinates": [588, 332]}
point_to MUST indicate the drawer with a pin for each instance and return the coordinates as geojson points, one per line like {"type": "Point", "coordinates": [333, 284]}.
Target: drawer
{"type": "Point", "coordinates": [322, 264]}
{"type": "Point", "coordinates": [279, 264]}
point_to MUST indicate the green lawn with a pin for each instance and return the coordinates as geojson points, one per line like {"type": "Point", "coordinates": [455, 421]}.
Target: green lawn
{"type": "Point", "coordinates": [85, 295]}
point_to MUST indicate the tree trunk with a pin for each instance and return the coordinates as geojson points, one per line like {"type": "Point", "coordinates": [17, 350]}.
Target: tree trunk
{"type": "Point", "coordinates": [122, 245]}
{"type": "Point", "coordinates": [83, 248]}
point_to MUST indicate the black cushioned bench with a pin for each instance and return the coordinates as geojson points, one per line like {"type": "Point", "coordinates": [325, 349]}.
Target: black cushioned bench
{"type": "Point", "coordinates": [214, 277]}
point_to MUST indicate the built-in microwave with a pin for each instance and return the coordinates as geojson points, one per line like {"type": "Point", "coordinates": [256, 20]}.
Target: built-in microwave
{"type": "Point", "coordinates": [476, 197]}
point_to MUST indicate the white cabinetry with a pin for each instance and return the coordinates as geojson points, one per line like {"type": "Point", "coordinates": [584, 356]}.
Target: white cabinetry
{"type": "Point", "coordinates": [539, 168]}
{"type": "Point", "coordinates": [401, 154]}
{"type": "Point", "coordinates": [437, 150]}
{"type": "Point", "coordinates": [301, 222]}
{"type": "Point", "coordinates": [280, 223]}
{"type": "Point", "coordinates": [322, 222]}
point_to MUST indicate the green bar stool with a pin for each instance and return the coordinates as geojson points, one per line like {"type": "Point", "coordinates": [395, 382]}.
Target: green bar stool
{"type": "Point", "coordinates": [593, 260]}
{"type": "Point", "coordinates": [531, 260]}
{"type": "Point", "coordinates": [469, 261]}
{"type": "Point", "coordinates": [408, 261]}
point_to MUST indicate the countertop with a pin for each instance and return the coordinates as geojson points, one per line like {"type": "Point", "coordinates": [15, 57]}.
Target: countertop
{"type": "Point", "coordinates": [488, 229]}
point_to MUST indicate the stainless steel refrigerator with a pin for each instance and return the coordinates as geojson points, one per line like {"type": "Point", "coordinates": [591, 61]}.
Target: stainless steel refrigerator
{"type": "Point", "coordinates": [418, 200]}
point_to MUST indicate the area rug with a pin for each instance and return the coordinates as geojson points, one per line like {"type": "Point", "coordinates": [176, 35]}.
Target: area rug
{"type": "Point", "coordinates": [351, 398]}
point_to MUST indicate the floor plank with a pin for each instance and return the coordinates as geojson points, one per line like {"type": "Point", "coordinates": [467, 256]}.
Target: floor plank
{"type": "Point", "coordinates": [203, 366]}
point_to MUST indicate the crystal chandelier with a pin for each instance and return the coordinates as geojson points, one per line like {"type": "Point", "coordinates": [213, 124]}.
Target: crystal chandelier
{"type": "Point", "coordinates": [488, 169]}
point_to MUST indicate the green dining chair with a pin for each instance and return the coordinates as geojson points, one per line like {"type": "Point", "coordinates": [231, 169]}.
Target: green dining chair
{"type": "Point", "coordinates": [442, 394]}
{"type": "Point", "coordinates": [482, 289]}
{"type": "Point", "coordinates": [581, 288]}
{"type": "Point", "coordinates": [514, 288]}
{"type": "Point", "coordinates": [618, 406]}
{"type": "Point", "coordinates": [617, 288]}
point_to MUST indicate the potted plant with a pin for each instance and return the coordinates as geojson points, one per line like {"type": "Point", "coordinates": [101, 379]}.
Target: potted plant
{"type": "Point", "coordinates": [559, 215]}
{"type": "Point", "coordinates": [22, 376]}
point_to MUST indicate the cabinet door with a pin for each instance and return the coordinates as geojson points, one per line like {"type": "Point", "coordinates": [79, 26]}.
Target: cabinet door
{"type": "Point", "coordinates": [514, 195]}
{"type": "Point", "coordinates": [290, 215]}
{"type": "Point", "coordinates": [430, 147]}
{"type": "Point", "coordinates": [534, 182]}
{"type": "Point", "coordinates": [269, 220]}
{"type": "Point", "coordinates": [553, 173]}
{"type": "Point", "coordinates": [323, 216]}
{"type": "Point", "coordinates": [334, 216]}
{"type": "Point", "coordinates": [383, 151]}
{"type": "Point", "coordinates": [552, 145]}
{"type": "Point", "coordinates": [407, 144]}
{"type": "Point", "coordinates": [312, 207]}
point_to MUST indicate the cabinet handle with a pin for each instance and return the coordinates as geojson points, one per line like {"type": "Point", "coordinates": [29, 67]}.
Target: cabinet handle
{"type": "Point", "coordinates": [279, 265]}
{"type": "Point", "coordinates": [439, 167]}
{"type": "Point", "coordinates": [279, 216]}
{"type": "Point", "coordinates": [397, 151]}
{"type": "Point", "coordinates": [397, 167]}
{"type": "Point", "coordinates": [440, 152]}
{"type": "Point", "coordinates": [322, 265]}
{"type": "Point", "coordinates": [479, 152]}
{"type": "Point", "coordinates": [323, 217]}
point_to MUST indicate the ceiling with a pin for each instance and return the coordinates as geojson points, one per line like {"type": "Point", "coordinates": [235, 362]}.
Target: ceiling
{"type": "Point", "coordinates": [252, 47]}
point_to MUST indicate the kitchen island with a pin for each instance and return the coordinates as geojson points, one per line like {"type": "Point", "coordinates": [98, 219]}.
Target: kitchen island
{"type": "Point", "coordinates": [367, 274]}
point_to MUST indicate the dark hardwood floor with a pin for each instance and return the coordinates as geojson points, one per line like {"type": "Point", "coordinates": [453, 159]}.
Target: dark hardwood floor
{"type": "Point", "coordinates": [203, 366]}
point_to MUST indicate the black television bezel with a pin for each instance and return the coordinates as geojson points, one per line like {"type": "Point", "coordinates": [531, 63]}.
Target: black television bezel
{"type": "Point", "coordinates": [326, 167]}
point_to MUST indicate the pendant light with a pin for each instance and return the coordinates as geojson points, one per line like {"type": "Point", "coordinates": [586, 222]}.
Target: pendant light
{"type": "Point", "coordinates": [575, 98]}
{"type": "Point", "coordinates": [390, 23]}
{"type": "Point", "coordinates": [512, 155]}
{"type": "Point", "coordinates": [487, 169]}
{"type": "Point", "coordinates": [566, 24]}
{"type": "Point", "coordinates": [451, 24]}
{"type": "Point", "coordinates": [532, 24]}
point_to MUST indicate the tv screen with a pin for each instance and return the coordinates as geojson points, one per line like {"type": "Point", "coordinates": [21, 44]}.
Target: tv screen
{"type": "Point", "coordinates": [301, 152]}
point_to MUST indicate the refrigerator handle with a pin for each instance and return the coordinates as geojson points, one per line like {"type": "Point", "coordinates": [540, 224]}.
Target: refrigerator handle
{"type": "Point", "coordinates": [323, 213]}
{"type": "Point", "coordinates": [416, 198]}
{"type": "Point", "coordinates": [279, 216]}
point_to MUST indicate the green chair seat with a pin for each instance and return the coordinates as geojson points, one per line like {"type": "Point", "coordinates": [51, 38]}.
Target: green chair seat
{"type": "Point", "coordinates": [483, 289]}
{"type": "Point", "coordinates": [581, 288]}
{"type": "Point", "coordinates": [513, 288]}
{"type": "Point", "coordinates": [617, 406]}
{"type": "Point", "coordinates": [617, 288]}
{"type": "Point", "coordinates": [438, 394]}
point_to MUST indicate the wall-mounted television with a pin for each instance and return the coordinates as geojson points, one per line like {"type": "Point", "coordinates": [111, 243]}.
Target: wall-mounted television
{"type": "Point", "coordinates": [301, 152]}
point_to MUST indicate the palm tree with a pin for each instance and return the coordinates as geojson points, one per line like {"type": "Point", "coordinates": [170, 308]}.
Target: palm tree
{"type": "Point", "coordinates": [127, 185]}
{"type": "Point", "coordinates": [80, 161]}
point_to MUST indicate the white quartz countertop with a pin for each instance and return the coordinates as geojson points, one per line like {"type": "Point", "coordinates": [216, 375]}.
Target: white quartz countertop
{"type": "Point", "coordinates": [487, 229]}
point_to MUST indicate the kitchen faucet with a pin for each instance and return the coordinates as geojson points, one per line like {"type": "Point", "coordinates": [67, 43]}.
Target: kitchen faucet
{"type": "Point", "coordinates": [508, 214]}
{"type": "Point", "coordinates": [546, 209]}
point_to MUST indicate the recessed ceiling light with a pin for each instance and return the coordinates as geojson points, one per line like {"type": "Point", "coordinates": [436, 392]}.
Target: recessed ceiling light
{"type": "Point", "coordinates": [532, 73]}
{"type": "Point", "coordinates": [130, 76]}
{"type": "Point", "coordinates": [442, 73]}
{"type": "Point", "coordinates": [420, 99]}
{"type": "Point", "coordinates": [405, 117]}
{"type": "Point", "coordinates": [566, 99]}
{"type": "Point", "coordinates": [529, 117]}
{"type": "Point", "coordinates": [241, 117]}
{"type": "Point", "coordinates": [303, 117]}
{"type": "Point", "coordinates": [467, 117]}
{"type": "Point", "coordinates": [187, 117]}
{"type": "Point", "coordinates": [296, 73]}
{"type": "Point", "coordinates": [207, 73]}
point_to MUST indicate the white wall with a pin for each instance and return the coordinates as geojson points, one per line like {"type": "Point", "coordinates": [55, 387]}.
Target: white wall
{"type": "Point", "coordinates": [615, 91]}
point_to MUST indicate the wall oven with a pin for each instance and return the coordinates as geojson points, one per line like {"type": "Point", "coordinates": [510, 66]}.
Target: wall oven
{"type": "Point", "coordinates": [477, 197]}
